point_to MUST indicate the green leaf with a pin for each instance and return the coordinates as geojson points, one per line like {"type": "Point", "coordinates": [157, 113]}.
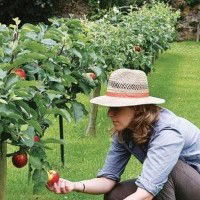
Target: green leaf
{"type": "Point", "coordinates": [38, 151]}
{"type": "Point", "coordinates": [38, 187]}
{"type": "Point", "coordinates": [97, 70]}
{"type": "Point", "coordinates": [12, 79]}
{"type": "Point", "coordinates": [63, 59]}
{"type": "Point", "coordinates": [1, 52]}
{"type": "Point", "coordinates": [35, 162]}
{"type": "Point", "coordinates": [17, 21]}
{"type": "Point", "coordinates": [5, 66]}
{"type": "Point", "coordinates": [63, 112]}
{"type": "Point", "coordinates": [3, 101]}
{"type": "Point", "coordinates": [68, 80]}
{"type": "Point", "coordinates": [31, 35]}
{"type": "Point", "coordinates": [10, 112]}
{"type": "Point", "coordinates": [39, 178]}
{"type": "Point", "coordinates": [30, 27]}
{"type": "Point", "coordinates": [28, 58]}
{"type": "Point", "coordinates": [27, 137]}
{"type": "Point", "coordinates": [41, 104]}
{"type": "Point", "coordinates": [1, 84]}
{"type": "Point", "coordinates": [78, 111]}
{"type": "Point", "coordinates": [86, 89]}
{"type": "Point", "coordinates": [26, 84]}
{"type": "Point", "coordinates": [36, 125]}
{"type": "Point", "coordinates": [24, 127]}
{"type": "Point", "coordinates": [52, 94]}
{"type": "Point", "coordinates": [30, 111]}
{"type": "Point", "coordinates": [77, 53]}
{"type": "Point", "coordinates": [35, 46]}
{"type": "Point", "coordinates": [49, 42]}
{"type": "Point", "coordinates": [22, 92]}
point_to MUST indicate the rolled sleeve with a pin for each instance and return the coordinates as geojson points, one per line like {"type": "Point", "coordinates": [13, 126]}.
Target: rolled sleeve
{"type": "Point", "coordinates": [116, 161]}
{"type": "Point", "coordinates": [163, 153]}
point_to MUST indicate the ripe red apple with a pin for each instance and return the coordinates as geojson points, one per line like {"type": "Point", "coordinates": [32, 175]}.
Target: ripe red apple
{"type": "Point", "coordinates": [20, 72]}
{"type": "Point", "coordinates": [137, 48]}
{"type": "Point", "coordinates": [19, 160]}
{"type": "Point", "coordinates": [92, 75]}
{"type": "Point", "coordinates": [36, 138]}
{"type": "Point", "coordinates": [53, 177]}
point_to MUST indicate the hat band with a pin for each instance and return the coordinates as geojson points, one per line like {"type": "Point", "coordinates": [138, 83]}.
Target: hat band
{"type": "Point", "coordinates": [126, 95]}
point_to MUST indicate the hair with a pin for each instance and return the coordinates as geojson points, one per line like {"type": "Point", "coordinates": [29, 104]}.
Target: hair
{"type": "Point", "coordinates": [140, 129]}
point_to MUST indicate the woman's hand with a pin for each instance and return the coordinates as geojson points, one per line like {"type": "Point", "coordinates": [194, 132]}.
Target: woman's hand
{"type": "Point", "coordinates": [62, 186]}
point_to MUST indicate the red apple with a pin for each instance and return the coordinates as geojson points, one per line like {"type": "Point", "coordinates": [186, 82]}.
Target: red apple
{"type": "Point", "coordinates": [137, 48]}
{"type": "Point", "coordinates": [36, 138]}
{"type": "Point", "coordinates": [53, 177]}
{"type": "Point", "coordinates": [92, 75]}
{"type": "Point", "coordinates": [19, 160]}
{"type": "Point", "coordinates": [20, 72]}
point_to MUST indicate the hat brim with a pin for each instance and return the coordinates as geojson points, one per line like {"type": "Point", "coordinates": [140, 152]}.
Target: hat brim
{"type": "Point", "coordinates": [121, 102]}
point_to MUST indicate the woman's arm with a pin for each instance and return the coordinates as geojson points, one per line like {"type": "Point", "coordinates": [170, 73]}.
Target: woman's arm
{"type": "Point", "coordinates": [163, 153]}
{"type": "Point", "coordinates": [93, 186]}
{"type": "Point", "coordinates": [140, 194]}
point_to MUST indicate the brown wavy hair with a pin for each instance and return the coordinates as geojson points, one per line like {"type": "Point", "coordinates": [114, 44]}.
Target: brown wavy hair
{"type": "Point", "coordinates": [142, 124]}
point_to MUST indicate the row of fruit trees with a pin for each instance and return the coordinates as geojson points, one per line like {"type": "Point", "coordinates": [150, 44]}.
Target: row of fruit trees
{"type": "Point", "coordinates": [44, 67]}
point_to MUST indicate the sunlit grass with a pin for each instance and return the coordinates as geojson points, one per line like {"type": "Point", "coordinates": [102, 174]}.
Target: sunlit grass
{"type": "Point", "coordinates": [176, 79]}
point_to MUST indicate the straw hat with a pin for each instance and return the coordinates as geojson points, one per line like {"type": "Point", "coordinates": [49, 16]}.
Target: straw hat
{"type": "Point", "coordinates": [127, 87]}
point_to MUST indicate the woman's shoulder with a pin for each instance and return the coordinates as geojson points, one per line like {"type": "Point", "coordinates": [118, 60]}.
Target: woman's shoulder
{"type": "Point", "coordinates": [170, 120]}
{"type": "Point", "coordinates": [166, 118]}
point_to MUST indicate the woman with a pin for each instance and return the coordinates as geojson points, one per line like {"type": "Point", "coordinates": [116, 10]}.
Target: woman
{"type": "Point", "coordinates": [167, 145]}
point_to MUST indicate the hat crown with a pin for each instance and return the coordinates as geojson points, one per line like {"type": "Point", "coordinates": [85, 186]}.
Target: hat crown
{"type": "Point", "coordinates": [128, 82]}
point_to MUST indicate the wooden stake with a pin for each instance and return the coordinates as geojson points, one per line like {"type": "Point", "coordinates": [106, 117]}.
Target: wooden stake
{"type": "Point", "coordinates": [3, 169]}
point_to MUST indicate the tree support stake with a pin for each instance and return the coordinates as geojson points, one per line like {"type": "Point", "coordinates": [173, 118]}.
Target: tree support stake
{"type": "Point", "coordinates": [3, 169]}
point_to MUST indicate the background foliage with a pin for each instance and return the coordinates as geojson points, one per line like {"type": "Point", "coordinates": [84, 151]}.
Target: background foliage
{"type": "Point", "coordinates": [40, 10]}
{"type": "Point", "coordinates": [28, 11]}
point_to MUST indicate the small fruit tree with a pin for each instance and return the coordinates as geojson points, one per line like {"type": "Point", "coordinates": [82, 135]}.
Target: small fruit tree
{"type": "Point", "coordinates": [41, 72]}
{"type": "Point", "coordinates": [133, 40]}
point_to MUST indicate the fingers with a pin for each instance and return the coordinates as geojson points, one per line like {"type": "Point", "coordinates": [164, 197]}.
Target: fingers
{"type": "Point", "coordinates": [51, 188]}
{"type": "Point", "coordinates": [61, 187]}
{"type": "Point", "coordinates": [57, 187]}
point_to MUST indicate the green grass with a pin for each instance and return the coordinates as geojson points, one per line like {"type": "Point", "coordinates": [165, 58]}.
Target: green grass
{"type": "Point", "coordinates": [176, 79]}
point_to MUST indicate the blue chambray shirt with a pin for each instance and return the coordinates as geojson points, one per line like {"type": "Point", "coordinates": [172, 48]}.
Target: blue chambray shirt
{"type": "Point", "coordinates": [172, 138]}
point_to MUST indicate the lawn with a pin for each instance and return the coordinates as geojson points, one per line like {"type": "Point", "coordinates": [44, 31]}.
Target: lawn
{"type": "Point", "coordinates": [175, 78]}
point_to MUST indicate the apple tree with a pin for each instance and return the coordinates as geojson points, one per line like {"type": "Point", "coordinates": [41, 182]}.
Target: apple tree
{"type": "Point", "coordinates": [42, 69]}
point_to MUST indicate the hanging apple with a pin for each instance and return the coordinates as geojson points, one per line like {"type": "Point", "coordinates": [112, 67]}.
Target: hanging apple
{"type": "Point", "coordinates": [36, 138]}
{"type": "Point", "coordinates": [53, 177]}
{"type": "Point", "coordinates": [19, 160]}
{"type": "Point", "coordinates": [137, 48]}
{"type": "Point", "coordinates": [20, 72]}
{"type": "Point", "coordinates": [92, 75]}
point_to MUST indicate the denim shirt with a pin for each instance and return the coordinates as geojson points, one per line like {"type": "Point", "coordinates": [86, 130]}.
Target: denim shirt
{"type": "Point", "coordinates": [172, 138]}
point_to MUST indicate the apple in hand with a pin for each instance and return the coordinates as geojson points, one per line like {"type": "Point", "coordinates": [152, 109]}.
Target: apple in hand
{"type": "Point", "coordinates": [36, 138]}
{"type": "Point", "coordinates": [92, 75]}
{"type": "Point", "coordinates": [53, 177]}
{"type": "Point", "coordinates": [19, 160]}
{"type": "Point", "coordinates": [20, 72]}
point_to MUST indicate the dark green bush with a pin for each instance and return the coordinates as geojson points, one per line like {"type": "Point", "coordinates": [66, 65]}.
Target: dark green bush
{"type": "Point", "coordinates": [28, 11]}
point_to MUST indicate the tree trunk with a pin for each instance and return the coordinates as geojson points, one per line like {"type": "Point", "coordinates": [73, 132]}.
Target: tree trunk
{"type": "Point", "coordinates": [91, 128]}
{"type": "Point", "coordinates": [3, 169]}
{"type": "Point", "coordinates": [198, 32]}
